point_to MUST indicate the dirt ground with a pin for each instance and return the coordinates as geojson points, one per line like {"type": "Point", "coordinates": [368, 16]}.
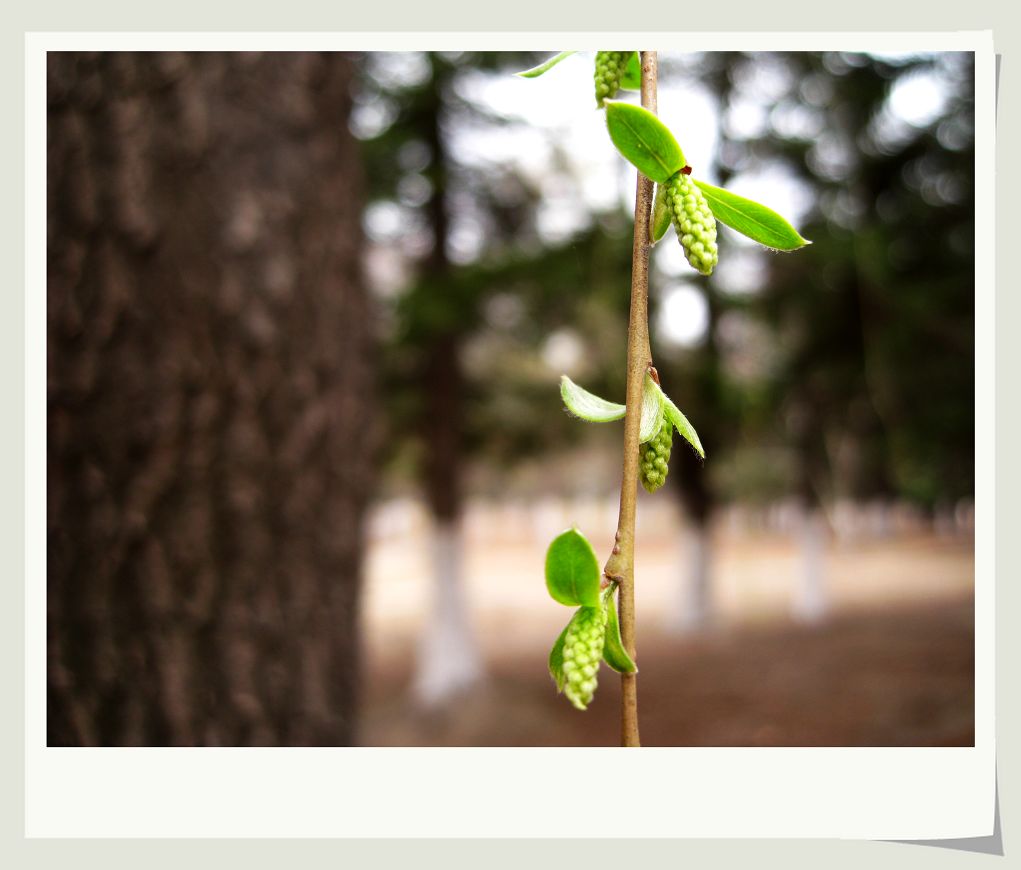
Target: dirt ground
{"type": "Point", "coordinates": [892, 664]}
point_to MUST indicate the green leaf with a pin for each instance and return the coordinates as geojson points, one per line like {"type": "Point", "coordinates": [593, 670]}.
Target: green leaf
{"type": "Point", "coordinates": [687, 431]}
{"type": "Point", "coordinates": [752, 219]}
{"type": "Point", "coordinates": [572, 571]}
{"type": "Point", "coordinates": [644, 140]}
{"type": "Point", "coordinates": [661, 216]}
{"type": "Point", "coordinates": [537, 71]}
{"type": "Point", "coordinates": [614, 653]}
{"type": "Point", "coordinates": [556, 659]}
{"type": "Point", "coordinates": [632, 78]}
{"type": "Point", "coordinates": [652, 410]}
{"type": "Point", "coordinates": [587, 405]}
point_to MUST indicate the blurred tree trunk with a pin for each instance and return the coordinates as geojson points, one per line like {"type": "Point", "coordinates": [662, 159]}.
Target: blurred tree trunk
{"type": "Point", "coordinates": [209, 390]}
{"type": "Point", "coordinates": [448, 660]}
{"type": "Point", "coordinates": [701, 380]}
{"type": "Point", "coordinates": [701, 384]}
{"type": "Point", "coordinates": [811, 600]}
{"type": "Point", "coordinates": [694, 611]}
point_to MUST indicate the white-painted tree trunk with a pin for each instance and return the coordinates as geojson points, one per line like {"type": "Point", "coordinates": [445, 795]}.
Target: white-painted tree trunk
{"type": "Point", "coordinates": [448, 656]}
{"type": "Point", "coordinates": [811, 600]}
{"type": "Point", "coordinates": [694, 610]}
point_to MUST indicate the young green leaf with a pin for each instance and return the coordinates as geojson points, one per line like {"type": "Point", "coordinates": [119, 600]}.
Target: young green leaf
{"type": "Point", "coordinates": [652, 410]}
{"type": "Point", "coordinates": [632, 78]}
{"type": "Point", "coordinates": [556, 661]}
{"type": "Point", "coordinates": [644, 140]}
{"type": "Point", "coordinates": [752, 219]}
{"type": "Point", "coordinates": [572, 570]}
{"type": "Point", "coordinates": [587, 405]}
{"type": "Point", "coordinates": [614, 653]}
{"type": "Point", "coordinates": [537, 71]}
{"type": "Point", "coordinates": [680, 422]}
{"type": "Point", "coordinates": [662, 215]}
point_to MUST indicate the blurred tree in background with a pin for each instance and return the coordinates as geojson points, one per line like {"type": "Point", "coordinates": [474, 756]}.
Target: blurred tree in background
{"type": "Point", "coordinates": [477, 291]}
{"type": "Point", "coordinates": [877, 383]}
{"type": "Point", "coordinates": [848, 373]}
{"type": "Point", "coordinates": [209, 399]}
{"type": "Point", "coordinates": [891, 280]}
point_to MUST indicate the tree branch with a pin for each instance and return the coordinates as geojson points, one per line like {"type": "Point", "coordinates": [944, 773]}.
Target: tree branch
{"type": "Point", "coordinates": [621, 565]}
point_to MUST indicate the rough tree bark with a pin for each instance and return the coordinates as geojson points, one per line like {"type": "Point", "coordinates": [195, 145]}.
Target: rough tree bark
{"type": "Point", "coordinates": [208, 387]}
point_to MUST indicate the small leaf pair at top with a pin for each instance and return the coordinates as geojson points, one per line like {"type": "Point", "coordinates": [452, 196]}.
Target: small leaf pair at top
{"type": "Point", "coordinates": [644, 140]}
{"type": "Point", "coordinates": [614, 653]}
{"type": "Point", "coordinates": [545, 66]}
{"type": "Point", "coordinates": [630, 81]}
{"type": "Point", "coordinates": [572, 570]}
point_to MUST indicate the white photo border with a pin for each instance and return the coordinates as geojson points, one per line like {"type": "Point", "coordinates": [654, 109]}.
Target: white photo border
{"type": "Point", "coordinates": [877, 793]}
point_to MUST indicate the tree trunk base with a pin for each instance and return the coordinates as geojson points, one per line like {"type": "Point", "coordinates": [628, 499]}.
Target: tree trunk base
{"type": "Point", "coordinates": [449, 661]}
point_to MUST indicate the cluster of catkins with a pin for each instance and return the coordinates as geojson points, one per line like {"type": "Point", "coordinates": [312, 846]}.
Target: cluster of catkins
{"type": "Point", "coordinates": [610, 66]}
{"type": "Point", "coordinates": [693, 220]}
{"type": "Point", "coordinates": [583, 650]}
{"type": "Point", "coordinates": [655, 458]}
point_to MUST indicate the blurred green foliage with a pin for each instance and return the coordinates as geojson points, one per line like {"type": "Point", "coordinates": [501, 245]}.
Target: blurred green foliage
{"type": "Point", "coordinates": [847, 370]}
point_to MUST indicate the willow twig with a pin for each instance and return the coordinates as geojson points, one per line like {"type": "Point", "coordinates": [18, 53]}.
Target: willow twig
{"type": "Point", "coordinates": [621, 565]}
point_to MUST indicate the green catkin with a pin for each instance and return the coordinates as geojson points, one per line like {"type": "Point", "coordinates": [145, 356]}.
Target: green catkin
{"type": "Point", "coordinates": [655, 457]}
{"type": "Point", "coordinates": [583, 650]}
{"type": "Point", "coordinates": [610, 66]}
{"type": "Point", "coordinates": [694, 222]}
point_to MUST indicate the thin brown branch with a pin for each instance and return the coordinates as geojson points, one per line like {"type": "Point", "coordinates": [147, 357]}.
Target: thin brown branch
{"type": "Point", "coordinates": [621, 564]}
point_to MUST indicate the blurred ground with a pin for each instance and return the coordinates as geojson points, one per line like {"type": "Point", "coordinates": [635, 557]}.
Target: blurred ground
{"type": "Point", "coordinates": [892, 665]}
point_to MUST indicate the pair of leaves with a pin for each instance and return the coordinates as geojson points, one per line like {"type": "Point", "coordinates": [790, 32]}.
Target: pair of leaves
{"type": "Point", "coordinates": [657, 410]}
{"type": "Point", "coordinates": [594, 409]}
{"type": "Point", "coordinates": [631, 80]}
{"type": "Point", "coordinates": [644, 140]}
{"type": "Point", "coordinates": [614, 653]}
